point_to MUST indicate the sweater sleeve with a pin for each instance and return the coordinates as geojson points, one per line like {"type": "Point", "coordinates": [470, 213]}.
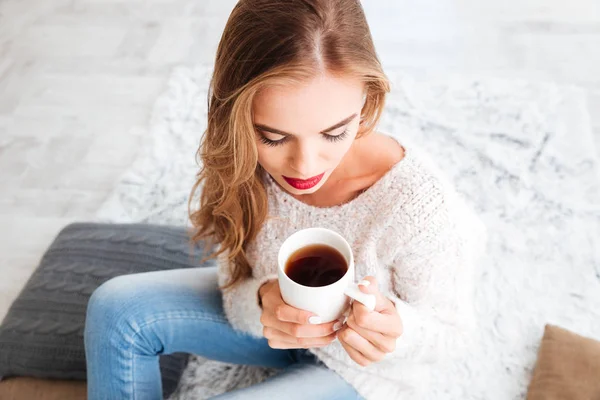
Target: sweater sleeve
{"type": "Point", "coordinates": [432, 281]}
{"type": "Point", "coordinates": [240, 302]}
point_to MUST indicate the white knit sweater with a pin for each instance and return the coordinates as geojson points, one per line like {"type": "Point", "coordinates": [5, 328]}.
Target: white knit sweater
{"type": "Point", "coordinates": [415, 234]}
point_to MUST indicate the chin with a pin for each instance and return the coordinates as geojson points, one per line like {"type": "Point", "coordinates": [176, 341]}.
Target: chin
{"type": "Point", "coordinates": [299, 192]}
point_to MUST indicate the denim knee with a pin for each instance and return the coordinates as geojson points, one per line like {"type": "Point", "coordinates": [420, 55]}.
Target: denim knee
{"type": "Point", "coordinates": [114, 307]}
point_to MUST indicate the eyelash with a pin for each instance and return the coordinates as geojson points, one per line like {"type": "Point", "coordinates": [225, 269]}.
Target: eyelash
{"type": "Point", "coordinates": [329, 138]}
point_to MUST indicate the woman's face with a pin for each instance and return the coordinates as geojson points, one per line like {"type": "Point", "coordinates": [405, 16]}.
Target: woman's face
{"type": "Point", "coordinates": [304, 131]}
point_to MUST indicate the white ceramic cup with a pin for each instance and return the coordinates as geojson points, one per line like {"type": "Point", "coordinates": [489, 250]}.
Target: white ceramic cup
{"type": "Point", "coordinates": [328, 302]}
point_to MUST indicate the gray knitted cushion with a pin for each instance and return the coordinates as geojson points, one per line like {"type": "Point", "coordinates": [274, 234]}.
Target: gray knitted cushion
{"type": "Point", "coordinates": [42, 334]}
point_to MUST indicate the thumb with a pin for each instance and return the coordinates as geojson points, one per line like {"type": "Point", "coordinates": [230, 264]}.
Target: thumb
{"type": "Point", "coordinates": [369, 286]}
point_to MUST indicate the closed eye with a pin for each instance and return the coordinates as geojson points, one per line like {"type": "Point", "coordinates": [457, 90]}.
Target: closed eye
{"type": "Point", "coordinates": [283, 140]}
{"type": "Point", "coordinates": [336, 138]}
{"type": "Point", "coordinates": [272, 143]}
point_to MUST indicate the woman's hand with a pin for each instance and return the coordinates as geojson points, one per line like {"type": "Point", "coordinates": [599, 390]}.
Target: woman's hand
{"type": "Point", "coordinates": [368, 336]}
{"type": "Point", "coordinates": [287, 327]}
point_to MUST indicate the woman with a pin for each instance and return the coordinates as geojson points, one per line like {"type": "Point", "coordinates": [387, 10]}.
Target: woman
{"type": "Point", "coordinates": [291, 143]}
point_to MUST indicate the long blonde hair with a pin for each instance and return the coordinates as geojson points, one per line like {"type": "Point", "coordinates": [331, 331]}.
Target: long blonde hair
{"type": "Point", "coordinates": [267, 42]}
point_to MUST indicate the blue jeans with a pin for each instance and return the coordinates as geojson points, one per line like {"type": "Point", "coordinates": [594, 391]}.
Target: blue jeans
{"type": "Point", "coordinates": [132, 319]}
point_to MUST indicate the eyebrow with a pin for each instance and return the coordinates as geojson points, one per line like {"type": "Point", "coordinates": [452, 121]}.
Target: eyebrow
{"type": "Point", "coordinates": [324, 131]}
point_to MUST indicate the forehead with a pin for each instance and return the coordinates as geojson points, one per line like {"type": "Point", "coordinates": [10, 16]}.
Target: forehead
{"type": "Point", "coordinates": [309, 106]}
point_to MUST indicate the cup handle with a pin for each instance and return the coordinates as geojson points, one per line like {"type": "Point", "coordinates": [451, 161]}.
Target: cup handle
{"type": "Point", "coordinates": [368, 300]}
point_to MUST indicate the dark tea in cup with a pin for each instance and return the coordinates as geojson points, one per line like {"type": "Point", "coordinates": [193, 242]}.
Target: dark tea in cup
{"type": "Point", "coordinates": [316, 265]}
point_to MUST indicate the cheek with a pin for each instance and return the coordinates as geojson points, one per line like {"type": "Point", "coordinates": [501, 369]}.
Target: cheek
{"type": "Point", "coordinates": [340, 149]}
{"type": "Point", "coordinates": [270, 158]}
{"type": "Point", "coordinates": [337, 151]}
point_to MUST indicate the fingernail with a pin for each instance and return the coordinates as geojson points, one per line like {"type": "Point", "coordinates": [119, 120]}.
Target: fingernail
{"type": "Point", "coordinates": [364, 282]}
{"type": "Point", "coordinates": [338, 325]}
{"type": "Point", "coordinates": [315, 320]}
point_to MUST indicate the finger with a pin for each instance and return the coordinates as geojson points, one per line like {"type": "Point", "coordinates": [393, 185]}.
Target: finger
{"type": "Point", "coordinates": [302, 330]}
{"type": "Point", "coordinates": [369, 286]}
{"type": "Point", "coordinates": [360, 344]}
{"type": "Point", "coordinates": [278, 336]}
{"type": "Point", "coordinates": [353, 353]}
{"type": "Point", "coordinates": [287, 313]}
{"type": "Point", "coordinates": [284, 345]}
{"type": "Point", "coordinates": [386, 324]}
{"type": "Point", "coordinates": [386, 344]}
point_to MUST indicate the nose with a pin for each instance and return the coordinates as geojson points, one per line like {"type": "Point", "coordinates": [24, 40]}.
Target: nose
{"type": "Point", "coordinates": [303, 160]}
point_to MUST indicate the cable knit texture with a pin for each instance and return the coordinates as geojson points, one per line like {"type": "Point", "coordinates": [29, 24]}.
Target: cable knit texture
{"type": "Point", "coordinates": [42, 334]}
{"type": "Point", "coordinates": [412, 232]}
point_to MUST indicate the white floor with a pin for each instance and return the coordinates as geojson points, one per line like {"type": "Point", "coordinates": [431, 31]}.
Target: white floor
{"type": "Point", "coordinates": [78, 79]}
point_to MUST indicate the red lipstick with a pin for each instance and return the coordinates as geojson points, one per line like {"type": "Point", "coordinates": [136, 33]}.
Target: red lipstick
{"type": "Point", "coordinates": [304, 184]}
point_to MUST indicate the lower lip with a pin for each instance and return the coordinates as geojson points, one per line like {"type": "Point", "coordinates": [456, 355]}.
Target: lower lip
{"type": "Point", "coordinates": [304, 184]}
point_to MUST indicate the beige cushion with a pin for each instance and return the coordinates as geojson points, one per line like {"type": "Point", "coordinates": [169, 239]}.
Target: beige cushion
{"type": "Point", "coordinates": [21, 388]}
{"type": "Point", "coordinates": [568, 367]}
